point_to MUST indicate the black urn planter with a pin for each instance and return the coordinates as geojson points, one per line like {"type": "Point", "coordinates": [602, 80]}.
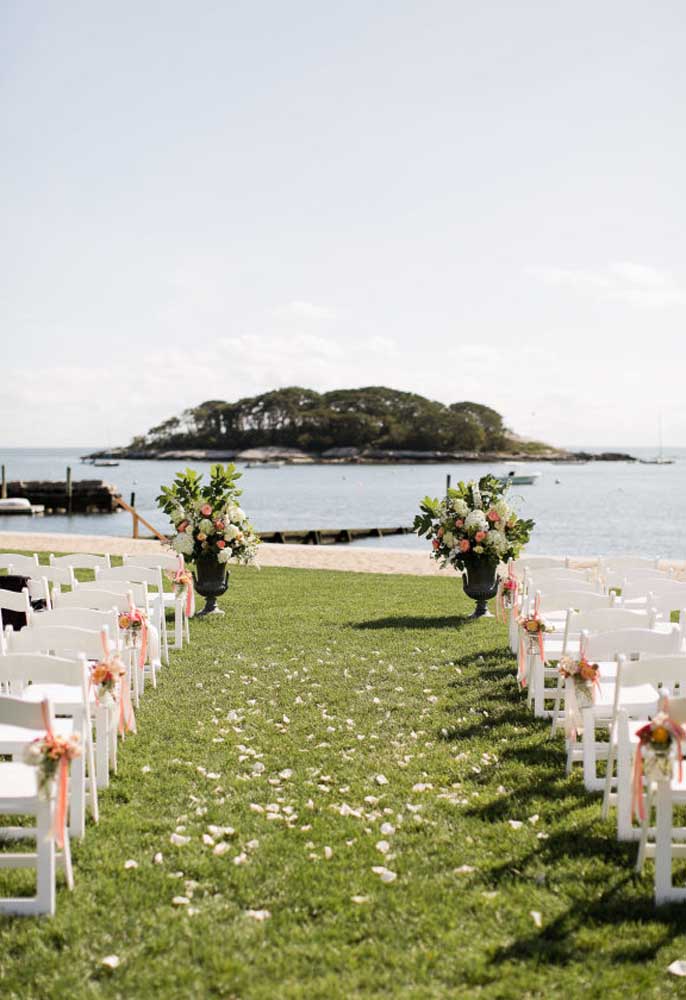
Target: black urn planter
{"type": "Point", "coordinates": [211, 579]}
{"type": "Point", "coordinates": [480, 582]}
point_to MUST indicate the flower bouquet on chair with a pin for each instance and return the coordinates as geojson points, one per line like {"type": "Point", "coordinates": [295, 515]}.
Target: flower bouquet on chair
{"type": "Point", "coordinates": [211, 529]}
{"type": "Point", "coordinates": [583, 680]}
{"type": "Point", "coordinates": [474, 529]}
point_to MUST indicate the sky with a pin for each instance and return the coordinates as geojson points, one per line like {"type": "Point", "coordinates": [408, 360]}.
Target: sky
{"type": "Point", "coordinates": [466, 200]}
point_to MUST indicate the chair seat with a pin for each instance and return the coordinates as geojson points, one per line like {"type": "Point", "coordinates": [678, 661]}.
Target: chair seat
{"type": "Point", "coordinates": [18, 784]}
{"type": "Point", "coordinates": [643, 698]}
{"type": "Point", "coordinates": [66, 698]}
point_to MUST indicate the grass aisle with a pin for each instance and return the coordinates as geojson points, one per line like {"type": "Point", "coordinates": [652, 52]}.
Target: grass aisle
{"type": "Point", "coordinates": [341, 723]}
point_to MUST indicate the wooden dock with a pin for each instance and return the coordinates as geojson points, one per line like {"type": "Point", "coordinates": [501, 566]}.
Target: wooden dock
{"type": "Point", "coordinates": [84, 496]}
{"type": "Point", "coordinates": [328, 536]}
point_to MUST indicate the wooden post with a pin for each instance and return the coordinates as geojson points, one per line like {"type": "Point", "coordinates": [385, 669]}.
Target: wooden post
{"type": "Point", "coordinates": [3, 489]}
{"type": "Point", "coordinates": [69, 490]}
{"type": "Point", "coordinates": [448, 480]}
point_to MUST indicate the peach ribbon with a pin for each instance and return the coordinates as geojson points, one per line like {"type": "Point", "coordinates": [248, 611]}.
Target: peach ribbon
{"type": "Point", "coordinates": [59, 826]}
{"type": "Point", "coordinates": [178, 576]}
{"type": "Point", "coordinates": [513, 589]}
{"type": "Point", "coordinates": [127, 719]}
{"type": "Point", "coordinates": [138, 616]}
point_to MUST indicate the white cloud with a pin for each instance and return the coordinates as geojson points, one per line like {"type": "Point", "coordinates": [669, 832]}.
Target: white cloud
{"type": "Point", "coordinates": [622, 281]}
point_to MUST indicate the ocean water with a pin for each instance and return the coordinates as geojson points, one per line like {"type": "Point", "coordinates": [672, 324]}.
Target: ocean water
{"type": "Point", "coordinates": [600, 507]}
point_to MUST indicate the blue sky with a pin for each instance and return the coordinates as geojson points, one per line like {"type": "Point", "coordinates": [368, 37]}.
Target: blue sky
{"type": "Point", "coordinates": [464, 200]}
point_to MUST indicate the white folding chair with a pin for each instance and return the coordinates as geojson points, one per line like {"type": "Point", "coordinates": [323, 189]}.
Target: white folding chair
{"type": "Point", "coordinates": [13, 562]}
{"type": "Point", "coordinates": [20, 796]}
{"type": "Point", "coordinates": [61, 641]}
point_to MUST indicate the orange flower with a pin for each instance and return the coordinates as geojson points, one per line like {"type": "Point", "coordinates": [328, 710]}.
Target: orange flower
{"type": "Point", "coordinates": [660, 735]}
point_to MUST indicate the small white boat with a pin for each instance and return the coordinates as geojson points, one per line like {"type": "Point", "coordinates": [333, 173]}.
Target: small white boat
{"type": "Point", "coordinates": [105, 463]}
{"type": "Point", "coordinates": [516, 478]}
{"type": "Point", "coordinates": [265, 465]}
{"type": "Point", "coordinates": [20, 505]}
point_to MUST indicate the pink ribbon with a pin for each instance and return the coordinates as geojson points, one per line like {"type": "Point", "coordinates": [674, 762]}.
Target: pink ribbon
{"type": "Point", "coordinates": [638, 798]}
{"type": "Point", "coordinates": [138, 616]}
{"type": "Point", "coordinates": [59, 826]}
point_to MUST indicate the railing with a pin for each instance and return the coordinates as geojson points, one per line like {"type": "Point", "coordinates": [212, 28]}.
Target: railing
{"type": "Point", "coordinates": [139, 519]}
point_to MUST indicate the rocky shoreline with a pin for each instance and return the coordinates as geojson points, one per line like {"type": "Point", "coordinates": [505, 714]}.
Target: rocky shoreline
{"type": "Point", "coordinates": [356, 456]}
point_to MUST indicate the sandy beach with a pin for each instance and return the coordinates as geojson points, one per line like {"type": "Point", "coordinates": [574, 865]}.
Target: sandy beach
{"type": "Point", "coordinates": [340, 557]}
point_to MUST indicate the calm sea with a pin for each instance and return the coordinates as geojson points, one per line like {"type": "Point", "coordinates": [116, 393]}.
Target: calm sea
{"type": "Point", "coordinates": [600, 507]}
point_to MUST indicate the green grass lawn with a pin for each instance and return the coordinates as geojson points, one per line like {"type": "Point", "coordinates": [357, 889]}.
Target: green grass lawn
{"type": "Point", "coordinates": [340, 723]}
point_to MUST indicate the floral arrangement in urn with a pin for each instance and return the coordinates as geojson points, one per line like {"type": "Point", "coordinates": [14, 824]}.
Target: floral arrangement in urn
{"type": "Point", "coordinates": [474, 520]}
{"type": "Point", "coordinates": [207, 518]}
{"type": "Point", "coordinates": [474, 529]}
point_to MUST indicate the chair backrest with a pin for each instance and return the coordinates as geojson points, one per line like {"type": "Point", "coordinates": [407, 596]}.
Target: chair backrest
{"type": "Point", "coordinates": [676, 708]}
{"type": "Point", "coordinates": [663, 671]}
{"type": "Point", "coordinates": [81, 560]}
{"type": "Point", "coordinates": [666, 601]}
{"type": "Point", "coordinates": [660, 586]}
{"type": "Point", "coordinates": [163, 559]}
{"type": "Point", "coordinates": [542, 582]}
{"type": "Point", "coordinates": [151, 575]}
{"type": "Point", "coordinates": [632, 642]}
{"type": "Point", "coordinates": [86, 597]}
{"type": "Point", "coordinates": [139, 591]}
{"type": "Point", "coordinates": [623, 563]}
{"type": "Point", "coordinates": [11, 601]}
{"type": "Point", "coordinates": [61, 640]}
{"type": "Point", "coordinates": [89, 618]}
{"type": "Point", "coordinates": [17, 563]}
{"type": "Point", "coordinates": [26, 714]}
{"type": "Point", "coordinates": [580, 600]}
{"type": "Point", "coordinates": [62, 575]}
{"type": "Point", "coordinates": [20, 669]}
{"type": "Point", "coordinates": [609, 619]}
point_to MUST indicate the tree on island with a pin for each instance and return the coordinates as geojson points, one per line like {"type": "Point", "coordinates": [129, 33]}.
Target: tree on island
{"type": "Point", "coordinates": [374, 417]}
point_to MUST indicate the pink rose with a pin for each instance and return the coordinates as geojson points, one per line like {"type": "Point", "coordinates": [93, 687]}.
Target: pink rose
{"type": "Point", "coordinates": [436, 544]}
{"type": "Point", "coordinates": [219, 525]}
{"type": "Point", "coordinates": [440, 532]}
{"type": "Point", "coordinates": [206, 510]}
{"type": "Point", "coordinates": [181, 526]}
{"type": "Point", "coordinates": [458, 522]}
{"type": "Point", "coordinates": [480, 535]}
{"type": "Point", "coordinates": [221, 543]}
{"type": "Point", "coordinates": [464, 545]}
{"type": "Point", "coordinates": [493, 516]}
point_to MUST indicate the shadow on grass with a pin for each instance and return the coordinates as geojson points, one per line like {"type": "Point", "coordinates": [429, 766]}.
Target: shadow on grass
{"type": "Point", "coordinates": [412, 622]}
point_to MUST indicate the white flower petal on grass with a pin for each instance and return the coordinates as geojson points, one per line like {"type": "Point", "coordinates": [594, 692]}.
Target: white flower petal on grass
{"type": "Point", "coordinates": [328, 853]}
{"type": "Point", "coordinates": [387, 829]}
{"type": "Point", "coordinates": [258, 915]}
{"type": "Point", "coordinates": [178, 841]}
{"type": "Point", "coordinates": [207, 840]}
{"type": "Point", "coordinates": [422, 786]}
{"type": "Point", "coordinates": [241, 859]}
{"type": "Point", "coordinates": [463, 870]}
{"type": "Point", "coordinates": [254, 807]}
{"type": "Point", "coordinates": [385, 874]}
{"type": "Point", "coordinates": [159, 858]}
{"type": "Point", "coordinates": [381, 779]}
{"type": "Point", "coordinates": [534, 819]}
{"type": "Point", "coordinates": [130, 864]}
{"type": "Point", "coordinates": [252, 845]}
{"type": "Point", "coordinates": [110, 961]}
{"type": "Point", "coordinates": [220, 849]}
{"type": "Point", "coordinates": [382, 846]}
{"type": "Point", "coordinates": [536, 917]}
{"type": "Point", "coordinates": [180, 901]}
{"type": "Point", "coordinates": [146, 769]}
{"type": "Point", "coordinates": [677, 968]}
{"type": "Point", "coordinates": [515, 823]}
{"type": "Point", "coordinates": [359, 899]}
{"type": "Point", "coordinates": [286, 773]}
{"type": "Point", "coordinates": [542, 836]}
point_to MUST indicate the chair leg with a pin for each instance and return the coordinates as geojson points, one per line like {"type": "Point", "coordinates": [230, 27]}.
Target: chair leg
{"type": "Point", "coordinates": [102, 745]}
{"type": "Point", "coordinates": [77, 797]}
{"type": "Point", "coordinates": [45, 859]}
{"type": "Point", "coordinates": [92, 777]}
{"type": "Point", "coordinates": [663, 843]}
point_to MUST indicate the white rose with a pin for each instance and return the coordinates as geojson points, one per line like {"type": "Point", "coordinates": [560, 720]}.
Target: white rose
{"type": "Point", "coordinates": [224, 556]}
{"type": "Point", "coordinates": [476, 521]}
{"type": "Point", "coordinates": [206, 526]}
{"type": "Point", "coordinates": [461, 508]}
{"type": "Point", "coordinates": [183, 543]}
{"type": "Point", "coordinates": [449, 539]}
{"type": "Point", "coordinates": [231, 532]}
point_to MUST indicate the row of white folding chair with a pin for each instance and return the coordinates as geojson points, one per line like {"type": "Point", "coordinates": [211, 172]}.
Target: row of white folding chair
{"type": "Point", "coordinates": [21, 723]}
{"type": "Point", "coordinates": [31, 669]}
{"type": "Point", "coordinates": [167, 563]}
{"type": "Point", "coordinates": [81, 561]}
{"type": "Point", "coordinates": [135, 593]}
